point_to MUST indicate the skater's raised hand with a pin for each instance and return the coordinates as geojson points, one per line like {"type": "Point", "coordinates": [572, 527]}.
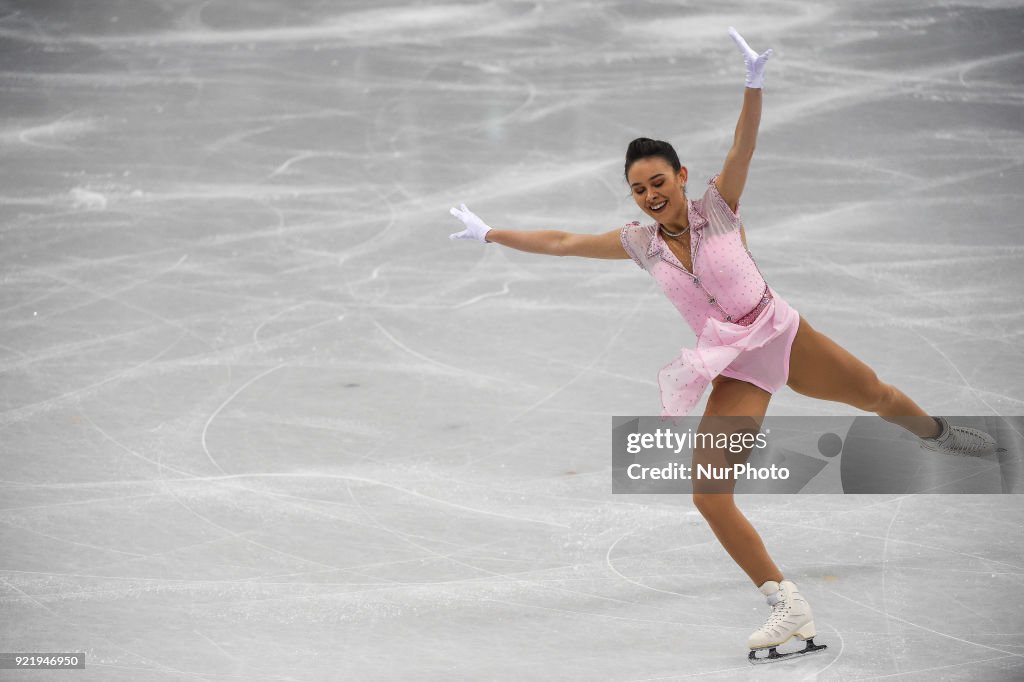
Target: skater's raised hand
{"type": "Point", "coordinates": [475, 228]}
{"type": "Point", "coordinates": [755, 62]}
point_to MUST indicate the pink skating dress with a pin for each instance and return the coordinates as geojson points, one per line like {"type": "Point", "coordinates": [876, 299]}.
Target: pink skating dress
{"type": "Point", "coordinates": [744, 329]}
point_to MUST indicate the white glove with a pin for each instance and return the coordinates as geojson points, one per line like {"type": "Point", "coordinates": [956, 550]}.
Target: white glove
{"type": "Point", "coordinates": [475, 228]}
{"type": "Point", "coordinates": [755, 62]}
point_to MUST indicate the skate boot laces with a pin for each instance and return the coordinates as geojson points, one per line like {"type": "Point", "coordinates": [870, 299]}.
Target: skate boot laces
{"type": "Point", "coordinates": [779, 612]}
{"type": "Point", "coordinates": [960, 441]}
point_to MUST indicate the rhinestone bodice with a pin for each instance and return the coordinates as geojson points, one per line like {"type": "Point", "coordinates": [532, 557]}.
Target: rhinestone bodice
{"type": "Point", "coordinates": [725, 283]}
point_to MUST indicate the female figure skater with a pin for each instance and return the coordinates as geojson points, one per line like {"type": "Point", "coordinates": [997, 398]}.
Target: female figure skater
{"type": "Point", "coordinates": [750, 342]}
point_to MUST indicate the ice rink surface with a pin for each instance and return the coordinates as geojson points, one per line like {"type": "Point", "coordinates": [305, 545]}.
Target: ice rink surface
{"type": "Point", "coordinates": [262, 420]}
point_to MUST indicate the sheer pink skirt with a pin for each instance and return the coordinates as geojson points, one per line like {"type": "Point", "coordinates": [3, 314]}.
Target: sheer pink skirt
{"type": "Point", "coordinates": [757, 353]}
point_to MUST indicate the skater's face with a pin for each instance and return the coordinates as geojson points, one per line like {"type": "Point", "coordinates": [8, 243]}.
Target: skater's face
{"type": "Point", "coordinates": [658, 189]}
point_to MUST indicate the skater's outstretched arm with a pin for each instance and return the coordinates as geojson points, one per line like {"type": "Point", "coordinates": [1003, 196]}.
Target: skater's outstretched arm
{"type": "Point", "coordinates": [733, 177]}
{"type": "Point", "coordinates": [547, 242]}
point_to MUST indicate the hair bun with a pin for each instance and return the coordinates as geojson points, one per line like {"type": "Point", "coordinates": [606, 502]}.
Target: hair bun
{"type": "Point", "coordinates": [645, 147]}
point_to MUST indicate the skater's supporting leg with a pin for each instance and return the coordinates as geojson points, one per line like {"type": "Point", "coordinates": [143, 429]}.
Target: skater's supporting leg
{"type": "Point", "coordinates": [737, 536]}
{"type": "Point", "coordinates": [821, 368]}
{"type": "Point", "coordinates": [732, 398]}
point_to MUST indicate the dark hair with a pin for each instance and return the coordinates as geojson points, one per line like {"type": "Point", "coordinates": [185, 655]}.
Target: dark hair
{"type": "Point", "coordinates": [645, 147]}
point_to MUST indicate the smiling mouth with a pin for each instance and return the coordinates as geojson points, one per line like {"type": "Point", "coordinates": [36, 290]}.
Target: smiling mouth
{"type": "Point", "coordinates": [658, 207]}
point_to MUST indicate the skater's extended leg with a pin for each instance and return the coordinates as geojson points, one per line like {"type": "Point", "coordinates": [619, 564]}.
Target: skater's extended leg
{"type": "Point", "coordinates": [731, 399]}
{"type": "Point", "coordinates": [821, 368]}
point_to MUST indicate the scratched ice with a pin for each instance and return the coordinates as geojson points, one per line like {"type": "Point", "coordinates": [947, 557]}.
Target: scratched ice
{"type": "Point", "coordinates": [262, 420]}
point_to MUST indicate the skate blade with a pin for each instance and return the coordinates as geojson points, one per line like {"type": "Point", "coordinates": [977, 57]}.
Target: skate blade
{"type": "Point", "coordinates": [773, 655]}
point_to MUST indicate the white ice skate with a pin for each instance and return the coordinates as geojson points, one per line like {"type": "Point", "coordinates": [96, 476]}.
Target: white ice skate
{"type": "Point", "coordinates": [960, 441]}
{"type": "Point", "coordinates": [791, 617]}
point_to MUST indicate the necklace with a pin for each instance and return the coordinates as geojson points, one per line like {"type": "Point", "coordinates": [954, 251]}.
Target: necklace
{"type": "Point", "coordinates": [675, 234]}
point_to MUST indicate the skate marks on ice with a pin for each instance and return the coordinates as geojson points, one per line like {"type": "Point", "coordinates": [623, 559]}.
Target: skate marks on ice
{"type": "Point", "coordinates": [257, 406]}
